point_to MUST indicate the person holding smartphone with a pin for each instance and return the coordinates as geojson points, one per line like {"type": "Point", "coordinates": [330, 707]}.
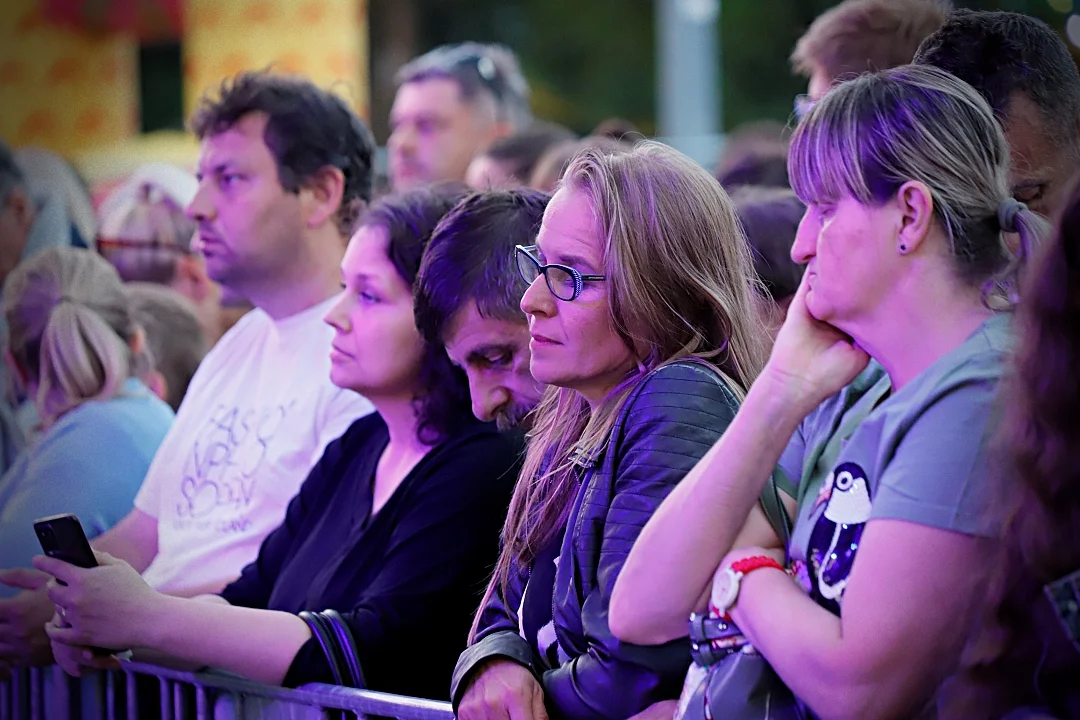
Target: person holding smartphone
{"type": "Point", "coordinates": [395, 527]}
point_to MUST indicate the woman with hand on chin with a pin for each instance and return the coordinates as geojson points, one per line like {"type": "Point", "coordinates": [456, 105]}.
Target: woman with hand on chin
{"type": "Point", "coordinates": [876, 402]}
{"type": "Point", "coordinates": [395, 527]}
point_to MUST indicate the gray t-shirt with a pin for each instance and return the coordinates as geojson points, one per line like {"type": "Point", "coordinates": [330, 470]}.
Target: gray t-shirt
{"type": "Point", "coordinates": [919, 454]}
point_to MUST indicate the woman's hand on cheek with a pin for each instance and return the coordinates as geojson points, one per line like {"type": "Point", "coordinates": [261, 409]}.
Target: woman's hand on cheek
{"type": "Point", "coordinates": [108, 606]}
{"type": "Point", "coordinates": [812, 360]}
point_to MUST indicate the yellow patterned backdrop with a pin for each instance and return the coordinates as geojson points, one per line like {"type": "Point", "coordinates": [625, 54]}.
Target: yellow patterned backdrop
{"type": "Point", "coordinates": [323, 39]}
{"type": "Point", "coordinates": [77, 93]}
{"type": "Point", "coordinates": [61, 89]}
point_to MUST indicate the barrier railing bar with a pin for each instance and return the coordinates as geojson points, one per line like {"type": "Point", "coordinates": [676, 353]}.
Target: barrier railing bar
{"type": "Point", "coordinates": [315, 694]}
{"type": "Point", "coordinates": [131, 697]}
{"type": "Point", "coordinates": [25, 696]}
{"type": "Point", "coordinates": [200, 702]}
{"type": "Point", "coordinates": [110, 696]}
{"type": "Point", "coordinates": [34, 691]}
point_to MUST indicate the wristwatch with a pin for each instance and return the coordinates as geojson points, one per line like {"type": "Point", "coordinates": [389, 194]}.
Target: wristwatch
{"type": "Point", "coordinates": [725, 587]}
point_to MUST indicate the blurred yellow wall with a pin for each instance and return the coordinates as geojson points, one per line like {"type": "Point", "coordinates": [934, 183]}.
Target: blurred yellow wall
{"type": "Point", "coordinates": [325, 40]}
{"type": "Point", "coordinates": [60, 89]}
{"type": "Point", "coordinates": [77, 93]}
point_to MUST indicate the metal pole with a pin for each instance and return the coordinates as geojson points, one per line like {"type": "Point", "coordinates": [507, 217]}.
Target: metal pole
{"type": "Point", "coordinates": [688, 72]}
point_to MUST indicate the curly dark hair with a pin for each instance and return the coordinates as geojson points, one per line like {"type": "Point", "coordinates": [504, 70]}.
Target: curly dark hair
{"type": "Point", "coordinates": [307, 129]}
{"type": "Point", "coordinates": [1010, 661]}
{"type": "Point", "coordinates": [409, 219]}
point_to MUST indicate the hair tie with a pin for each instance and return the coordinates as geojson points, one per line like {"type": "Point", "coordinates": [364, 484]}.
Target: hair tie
{"type": "Point", "coordinates": [1007, 211]}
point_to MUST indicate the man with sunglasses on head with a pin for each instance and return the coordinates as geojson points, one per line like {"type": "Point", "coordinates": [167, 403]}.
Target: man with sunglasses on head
{"type": "Point", "coordinates": [451, 103]}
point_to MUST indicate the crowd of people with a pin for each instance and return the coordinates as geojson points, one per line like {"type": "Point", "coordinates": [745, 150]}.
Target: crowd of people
{"type": "Point", "coordinates": [563, 426]}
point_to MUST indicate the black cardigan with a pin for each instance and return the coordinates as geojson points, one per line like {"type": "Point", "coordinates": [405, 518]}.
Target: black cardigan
{"type": "Point", "coordinates": [407, 580]}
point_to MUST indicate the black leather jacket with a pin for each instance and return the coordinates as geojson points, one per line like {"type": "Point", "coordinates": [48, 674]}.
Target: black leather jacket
{"type": "Point", "coordinates": [668, 423]}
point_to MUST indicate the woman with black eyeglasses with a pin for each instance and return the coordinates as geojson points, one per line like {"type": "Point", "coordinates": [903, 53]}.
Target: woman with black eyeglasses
{"type": "Point", "coordinates": [642, 319]}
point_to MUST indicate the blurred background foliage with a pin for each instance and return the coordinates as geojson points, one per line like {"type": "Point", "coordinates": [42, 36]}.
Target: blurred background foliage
{"type": "Point", "coordinates": [592, 59]}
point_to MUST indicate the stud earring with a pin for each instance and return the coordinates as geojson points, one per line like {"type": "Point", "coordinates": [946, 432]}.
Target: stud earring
{"type": "Point", "coordinates": [903, 249]}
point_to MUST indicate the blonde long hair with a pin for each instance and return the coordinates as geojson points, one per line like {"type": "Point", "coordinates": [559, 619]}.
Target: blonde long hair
{"type": "Point", "coordinates": [680, 283]}
{"type": "Point", "coordinates": [70, 328]}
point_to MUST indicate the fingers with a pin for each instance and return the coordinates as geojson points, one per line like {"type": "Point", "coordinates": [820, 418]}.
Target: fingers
{"type": "Point", "coordinates": [65, 572]}
{"type": "Point", "coordinates": [539, 712]}
{"type": "Point", "coordinates": [58, 633]}
{"type": "Point", "coordinates": [24, 578]}
{"type": "Point", "coordinates": [67, 657]}
{"type": "Point", "coordinates": [59, 594]}
{"type": "Point", "coordinates": [105, 558]}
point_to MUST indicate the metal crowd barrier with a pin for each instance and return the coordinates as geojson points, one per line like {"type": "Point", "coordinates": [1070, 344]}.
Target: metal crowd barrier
{"type": "Point", "coordinates": [138, 692]}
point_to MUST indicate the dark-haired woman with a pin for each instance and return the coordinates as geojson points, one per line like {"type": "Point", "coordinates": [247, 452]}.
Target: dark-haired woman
{"type": "Point", "coordinates": [394, 527]}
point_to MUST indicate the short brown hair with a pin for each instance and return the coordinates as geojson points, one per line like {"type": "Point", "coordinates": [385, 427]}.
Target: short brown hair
{"type": "Point", "coordinates": [307, 129]}
{"type": "Point", "coordinates": [858, 36]}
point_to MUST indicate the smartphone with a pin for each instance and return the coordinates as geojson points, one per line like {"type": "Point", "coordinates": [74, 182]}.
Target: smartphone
{"type": "Point", "coordinates": [62, 537]}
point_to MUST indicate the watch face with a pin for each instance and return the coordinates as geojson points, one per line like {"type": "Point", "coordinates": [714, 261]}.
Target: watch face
{"type": "Point", "coordinates": [725, 589]}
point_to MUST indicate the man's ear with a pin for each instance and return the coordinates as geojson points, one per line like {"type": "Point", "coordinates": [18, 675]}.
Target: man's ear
{"type": "Point", "coordinates": [916, 215]}
{"type": "Point", "coordinates": [320, 196]}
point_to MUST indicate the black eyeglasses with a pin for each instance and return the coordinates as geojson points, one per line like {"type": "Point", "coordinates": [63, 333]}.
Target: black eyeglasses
{"type": "Point", "coordinates": [563, 281]}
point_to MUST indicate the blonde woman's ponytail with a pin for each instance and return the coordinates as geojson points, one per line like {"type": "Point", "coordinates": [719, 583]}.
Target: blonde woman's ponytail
{"type": "Point", "coordinates": [70, 329]}
{"type": "Point", "coordinates": [81, 359]}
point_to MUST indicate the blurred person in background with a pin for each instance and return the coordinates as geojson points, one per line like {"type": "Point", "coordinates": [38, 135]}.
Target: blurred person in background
{"type": "Point", "coordinates": [79, 351]}
{"type": "Point", "coordinates": [468, 296]}
{"type": "Point", "coordinates": [175, 341]}
{"type": "Point", "coordinates": [51, 177]}
{"type": "Point", "coordinates": [770, 218]}
{"type": "Point", "coordinates": [1023, 660]}
{"type": "Point", "coordinates": [451, 104]}
{"type": "Point", "coordinates": [553, 163]}
{"type": "Point", "coordinates": [145, 233]}
{"type": "Point", "coordinates": [284, 171]}
{"type": "Point", "coordinates": [509, 162]}
{"type": "Point", "coordinates": [618, 129]}
{"type": "Point", "coordinates": [1027, 74]}
{"type": "Point", "coordinates": [43, 204]}
{"type": "Point", "coordinates": [860, 36]}
{"type": "Point", "coordinates": [754, 153]}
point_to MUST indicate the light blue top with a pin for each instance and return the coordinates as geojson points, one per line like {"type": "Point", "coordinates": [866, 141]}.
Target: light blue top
{"type": "Point", "coordinates": [91, 462]}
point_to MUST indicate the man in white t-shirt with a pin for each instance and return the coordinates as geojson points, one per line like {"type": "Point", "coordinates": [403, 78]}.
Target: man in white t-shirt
{"type": "Point", "coordinates": [284, 170]}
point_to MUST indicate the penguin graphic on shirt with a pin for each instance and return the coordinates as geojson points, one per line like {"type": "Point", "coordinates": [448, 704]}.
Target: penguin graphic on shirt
{"type": "Point", "coordinates": [834, 540]}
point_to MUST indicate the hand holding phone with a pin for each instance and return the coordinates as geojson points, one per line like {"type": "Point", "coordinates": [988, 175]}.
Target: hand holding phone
{"type": "Point", "coordinates": [62, 537]}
